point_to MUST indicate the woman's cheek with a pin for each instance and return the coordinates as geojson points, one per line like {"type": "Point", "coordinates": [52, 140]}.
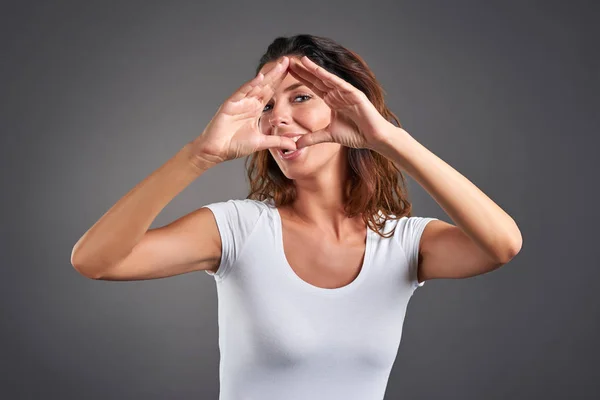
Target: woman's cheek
{"type": "Point", "coordinates": [317, 119]}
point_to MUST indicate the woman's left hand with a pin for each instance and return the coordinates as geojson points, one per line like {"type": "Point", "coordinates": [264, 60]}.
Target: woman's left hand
{"type": "Point", "coordinates": [355, 122]}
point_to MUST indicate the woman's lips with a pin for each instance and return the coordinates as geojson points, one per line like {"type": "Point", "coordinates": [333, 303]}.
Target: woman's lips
{"type": "Point", "coordinates": [291, 156]}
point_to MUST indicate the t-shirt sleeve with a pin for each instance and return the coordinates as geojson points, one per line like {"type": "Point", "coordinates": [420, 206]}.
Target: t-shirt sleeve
{"type": "Point", "coordinates": [235, 220]}
{"type": "Point", "coordinates": [408, 233]}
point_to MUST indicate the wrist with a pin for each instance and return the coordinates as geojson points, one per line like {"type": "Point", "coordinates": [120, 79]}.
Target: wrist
{"type": "Point", "coordinates": [197, 159]}
{"type": "Point", "coordinates": [393, 143]}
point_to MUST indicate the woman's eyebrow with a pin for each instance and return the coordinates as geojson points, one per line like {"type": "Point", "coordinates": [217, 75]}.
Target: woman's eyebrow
{"type": "Point", "coordinates": [293, 86]}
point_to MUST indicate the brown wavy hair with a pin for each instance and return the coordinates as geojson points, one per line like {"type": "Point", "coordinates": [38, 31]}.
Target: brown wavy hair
{"type": "Point", "coordinates": [375, 183]}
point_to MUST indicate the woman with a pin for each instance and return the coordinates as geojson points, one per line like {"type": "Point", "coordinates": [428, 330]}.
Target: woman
{"type": "Point", "coordinates": [314, 269]}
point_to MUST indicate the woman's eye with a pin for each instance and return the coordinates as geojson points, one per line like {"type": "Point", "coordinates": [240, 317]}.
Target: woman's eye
{"type": "Point", "coordinates": [305, 96]}
{"type": "Point", "coordinates": [302, 95]}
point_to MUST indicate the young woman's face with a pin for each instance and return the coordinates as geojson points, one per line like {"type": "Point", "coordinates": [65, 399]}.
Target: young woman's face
{"type": "Point", "coordinates": [295, 110]}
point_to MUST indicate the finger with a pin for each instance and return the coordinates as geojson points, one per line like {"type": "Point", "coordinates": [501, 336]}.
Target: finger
{"type": "Point", "coordinates": [327, 77]}
{"type": "Point", "coordinates": [273, 141]}
{"type": "Point", "coordinates": [247, 87]}
{"type": "Point", "coordinates": [309, 84]}
{"type": "Point", "coordinates": [273, 79]}
{"type": "Point", "coordinates": [302, 74]}
{"type": "Point", "coordinates": [256, 90]}
{"type": "Point", "coordinates": [313, 138]}
{"type": "Point", "coordinates": [276, 74]}
{"type": "Point", "coordinates": [300, 69]}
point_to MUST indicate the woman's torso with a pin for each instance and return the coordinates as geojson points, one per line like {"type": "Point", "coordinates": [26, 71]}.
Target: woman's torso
{"type": "Point", "coordinates": [301, 317]}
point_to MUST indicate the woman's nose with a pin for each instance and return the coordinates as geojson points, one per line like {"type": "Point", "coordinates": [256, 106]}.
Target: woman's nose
{"type": "Point", "coordinates": [279, 120]}
{"type": "Point", "coordinates": [278, 116]}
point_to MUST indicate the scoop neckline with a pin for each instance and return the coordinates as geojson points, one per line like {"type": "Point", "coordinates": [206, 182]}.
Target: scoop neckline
{"type": "Point", "coordinates": [309, 286]}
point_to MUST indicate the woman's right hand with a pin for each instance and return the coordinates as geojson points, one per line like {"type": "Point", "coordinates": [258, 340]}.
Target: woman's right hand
{"type": "Point", "coordinates": [233, 132]}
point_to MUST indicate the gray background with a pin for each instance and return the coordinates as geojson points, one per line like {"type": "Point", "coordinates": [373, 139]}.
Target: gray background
{"type": "Point", "coordinates": [96, 96]}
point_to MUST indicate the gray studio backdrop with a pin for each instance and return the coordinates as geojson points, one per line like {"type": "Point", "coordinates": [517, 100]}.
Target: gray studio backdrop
{"type": "Point", "coordinates": [96, 96]}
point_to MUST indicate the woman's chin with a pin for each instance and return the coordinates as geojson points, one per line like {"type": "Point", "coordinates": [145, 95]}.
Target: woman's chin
{"type": "Point", "coordinates": [296, 172]}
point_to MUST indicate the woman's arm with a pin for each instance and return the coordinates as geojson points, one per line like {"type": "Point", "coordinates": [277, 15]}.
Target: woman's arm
{"type": "Point", "coordinates": [112, 239]}
{"type": "Point", "coordinates": [485, 236]}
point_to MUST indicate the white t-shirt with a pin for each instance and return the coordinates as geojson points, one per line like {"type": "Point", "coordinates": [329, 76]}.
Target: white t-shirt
{"type": "Point", "coordinates": [283, 338]}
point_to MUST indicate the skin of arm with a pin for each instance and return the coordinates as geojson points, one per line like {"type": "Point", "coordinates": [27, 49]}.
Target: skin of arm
{"type": "Point", "coordinates": [485, 236]}
{"type": "Point", "coordinates": [122, 227]}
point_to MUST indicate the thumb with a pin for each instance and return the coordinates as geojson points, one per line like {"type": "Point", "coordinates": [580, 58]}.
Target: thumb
{"type": "Point", "coordinates": [309, 139]}
{"type": "Point", "coordinates": [270, 141]}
